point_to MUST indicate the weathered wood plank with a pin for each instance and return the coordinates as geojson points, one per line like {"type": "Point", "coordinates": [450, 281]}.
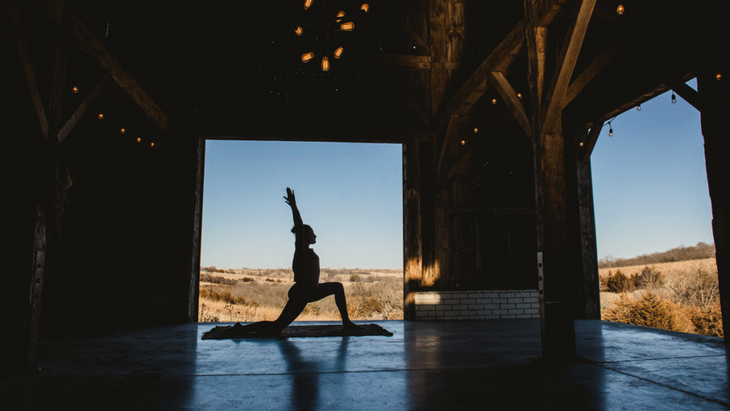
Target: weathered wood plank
{"type": "Point", "coordinates": [547, 10]}
{"type": "Point", "coordinates": [437, 40]}
{"type": "Point", "coordinates": [59, 74]}
{"type": "Point", "coordinates": [28, 67]}
{"type": "Point", "coordinates": [193, 290]}
{"type": "Point", "coordinates": [412, 249]}
{"type": "Point", "coordinates": [566, 63]}
{"type": "Point", "coordinates": [461, 164]}
{"type": "Point", "coordinates": [63, 133]}
{"type": "Point", "coordinates": [509, 95]}
{"type": "Point", "coordinates": [452, 133]}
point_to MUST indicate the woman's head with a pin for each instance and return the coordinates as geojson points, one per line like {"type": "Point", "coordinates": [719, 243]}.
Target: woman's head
{"type": "Point", "coordinates": [308, 232]}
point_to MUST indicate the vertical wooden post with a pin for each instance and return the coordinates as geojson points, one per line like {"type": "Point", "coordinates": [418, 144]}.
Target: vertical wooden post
{"type": "Point", "coordinates": [582, 252]}
{"type": "Point", "coordinates": [412, 250]}
{"type": "Point", "coordinates": [437, 37]}
{"type": "Point", "coordinates": [193, 294]}
{"type": "Point", "coordinates": [715, 95]}
{"type": "Point", "coordinates": [556, 314]}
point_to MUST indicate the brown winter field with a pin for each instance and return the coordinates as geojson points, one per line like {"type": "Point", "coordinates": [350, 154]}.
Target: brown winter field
{"type": "Point", "coordinates": [259, 294]}
{"type": "Point", "coordinates": [678, 296]}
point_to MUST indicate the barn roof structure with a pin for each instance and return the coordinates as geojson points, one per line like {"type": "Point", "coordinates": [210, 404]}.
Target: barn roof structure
{"type": "Point", "coordinates": [107, 211]}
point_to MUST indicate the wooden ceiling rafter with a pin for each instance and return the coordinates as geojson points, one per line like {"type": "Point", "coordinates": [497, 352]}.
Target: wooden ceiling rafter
{"type": "Point", "coordinates": [96, 49]}
{"type": "Point", "coordinates": [553, 104]}
{"type": "Point", "coordinates": [513, 102]}
{"type": "Point", "coordinates": [81, 109]}
{"type": "Point", "coordinates": [591, 140]}
{"type": "Point", "coordinates": [452, 133]}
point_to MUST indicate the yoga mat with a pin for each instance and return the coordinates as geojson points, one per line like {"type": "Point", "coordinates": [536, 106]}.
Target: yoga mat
{"type": "Point", "coordinates": [228, 332]}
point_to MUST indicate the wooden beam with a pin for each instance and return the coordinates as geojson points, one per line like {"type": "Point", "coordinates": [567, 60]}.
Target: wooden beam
{"type": "Point", "coordinates": [125, 81]}
{"type": "Point", "coordinates": [28, 67]}
{"type": "Point", "coordinates": [437, 41]}
{"type": "Point", "coordinates": [475, 87]}
{"type": "Point", "coordinates": [592, 70]}
{"type": "Point", "coordinates": [82, 107]}
{"type": "Point", "coordinates": [59, 75]}
{"type": "Point", "coordinates": [460, 164]}
{"type": "Point", "coordinates": [547, 10]}
{"type": "Point", "coordinates": [398, 61]}
{"type": "Point", "coordinates": [566, 63]}
{"type": "Point", "coordinates": [592, 139]}
{"type": "Point", "coordinates": [452, 133]}
{"type": "Point", "coordinates": [509, 95]}
{"type": "Point", "coordinates": [415, 107]}
{"type": "Point", "coordinates": [689, 95]}
{"type": "Point", "coordinates": [415, 38]}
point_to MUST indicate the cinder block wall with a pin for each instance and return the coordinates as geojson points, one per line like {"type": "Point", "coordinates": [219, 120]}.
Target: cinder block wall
{"type": "Point", "coordinates": [476, 305]}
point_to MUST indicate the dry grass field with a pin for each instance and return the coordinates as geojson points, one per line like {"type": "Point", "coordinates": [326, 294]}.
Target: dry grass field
{"type": "Point", "coordinates": [678, 296]}
{"type": "Point", "coordinates": [254, 295]}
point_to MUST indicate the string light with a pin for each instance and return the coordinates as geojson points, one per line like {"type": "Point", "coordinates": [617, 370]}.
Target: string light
{"type": "Point", "coordinates": [75, 90]}
{"type": "Point", "coordinates": [580, 144]}
{"type": "Point", "coordinates": [139, 139]}
{"type": "Point", "coordinates": [638, 108]}
{"type": "Point", "coordinates": [152, 144]}
{"type": "Point", "coordinates": [476, 130]}
{"type": "Point", "coordinates": [494, 101]}
{"type": "Point", "coordinates": [674, 98]}
{"type": "Point", "coordinates": [365, 7]}
{"type": "Point", "coordinates": [519, 96]}
{"type": "Point", "coordinates": [610, 130]}
{"type": "Point", "coordinates": [620, 9]}
{"type": "Point", "coordinates": [299, 31]}
{"type": "Point", "coordinates": [338, 52]}
{"type": "Point", "coordinates": [307, 4]}
{"type": "Point", "coordinates": [325, 64]}
{"type": "Point", "coordinates": [349, 26]}
{"type": "Point", "coordinates": [101, 116]}
{"type": "Point", "coordinates": [463, 142]}
{"type": "Point", "coordinates": [122, 130]}
{"type": "Point", "coordinates": [307, 56]}
{"type": "Point", "coordinates": [718, 76]}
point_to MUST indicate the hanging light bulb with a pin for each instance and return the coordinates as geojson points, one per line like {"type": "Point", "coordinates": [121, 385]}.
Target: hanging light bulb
{"type": "Point", "coordinates": [365, 7]}
{"type": "Point", "coordinates": [463, 142]}
{"type": "Point", "coordinates": [674, 98]}
{"type": "Point", "coordinates": [349, 26]}
{"type": "Point", "coordinates": [122, 130]}
{"type": "Point", "coordinates": [299, 31]}
{"type": "Point", "coordinates": [610, 130]}
{"type": "Point", "coordinates": [718, 76]}
{"type": "Point", "coordinates": [340, 14]}
{"type": "Point", "coordinates": [338, 52]}
{"type": "Point", "coordinates": [139, 139]}
{"type": "Point", "coordinates": [325, 64]}
{"type": "Point", "coordinates": [580, 144]}
{"type": "Point", "coordinates": [307, 4]}
{"type": "Point", "coordinates": [494, 101]}
{"type": "Point", "coordinates": [152, 144]}
{"type": "Point", "coordinates": [101, 116]}
{"type": "Point", "coordinates": [620, 9]}
{"type": "Point", "coordinates": [638, 108]}
{"type": "Point", "coordinates": [476, 130]}
{"type": "Point", "coordinates": [307, 56]}
{"type": "Point", "coordinates": [519, 96]}
{"type": "Point", "coordinates": [75, 90]}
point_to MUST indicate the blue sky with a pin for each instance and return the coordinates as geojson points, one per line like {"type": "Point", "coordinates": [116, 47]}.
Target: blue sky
{"type": "Point", "coordinates": [649, 182]}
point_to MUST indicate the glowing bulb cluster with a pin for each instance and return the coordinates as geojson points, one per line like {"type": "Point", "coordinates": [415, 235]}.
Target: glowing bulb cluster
{"type": "Point", "coordinates": [620, 9]}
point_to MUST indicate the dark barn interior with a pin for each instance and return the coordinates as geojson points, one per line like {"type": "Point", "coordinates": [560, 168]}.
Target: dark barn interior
{"type": "Point", "coordinates": [497, 104]}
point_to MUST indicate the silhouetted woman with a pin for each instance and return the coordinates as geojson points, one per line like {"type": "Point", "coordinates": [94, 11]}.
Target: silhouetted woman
{"type": "Point", "coordinates": [306, 288]}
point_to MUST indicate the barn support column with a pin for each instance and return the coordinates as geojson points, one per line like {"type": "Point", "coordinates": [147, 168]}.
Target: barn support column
{"type": "Point", "coordinates": [412, 249]}
{"type": "Point", "coordinates": [582, 252]}
{"type": "Point", "coordinates": [715, 112]}
{"type": "Point", "coordinates": [193, 291]}
{"type": "Point", "coordinates": [554, 281]}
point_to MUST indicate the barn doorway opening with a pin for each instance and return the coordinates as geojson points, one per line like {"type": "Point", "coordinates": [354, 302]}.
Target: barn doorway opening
{"type": "Point", "coordinates": [350, 193]}
{"type": "Point", "coordinates": [654, 219]}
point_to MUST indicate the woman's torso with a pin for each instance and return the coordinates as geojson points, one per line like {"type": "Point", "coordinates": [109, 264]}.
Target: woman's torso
{"type": "Point", "coordinates": [306, 267]}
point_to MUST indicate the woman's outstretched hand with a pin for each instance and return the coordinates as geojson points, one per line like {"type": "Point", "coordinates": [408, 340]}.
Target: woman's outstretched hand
{"type": "Point", "coordinates": [290, 199]}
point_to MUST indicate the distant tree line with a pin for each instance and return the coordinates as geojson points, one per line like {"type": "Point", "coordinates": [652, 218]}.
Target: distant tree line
{"type": "Point", "coordinates": [681, 253]}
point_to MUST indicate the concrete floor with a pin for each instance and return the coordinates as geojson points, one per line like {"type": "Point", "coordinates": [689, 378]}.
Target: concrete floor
{"type": "Point", "coordinates": [486, 365]}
